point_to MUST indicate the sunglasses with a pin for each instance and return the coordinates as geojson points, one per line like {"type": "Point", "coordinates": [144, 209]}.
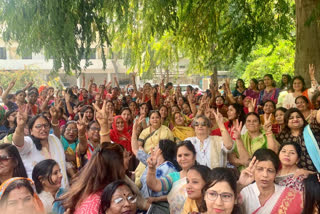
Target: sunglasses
{"type": "Point", "coordinates": [202, 124]}
{"type": "Point", "coordinates": [4, 158]}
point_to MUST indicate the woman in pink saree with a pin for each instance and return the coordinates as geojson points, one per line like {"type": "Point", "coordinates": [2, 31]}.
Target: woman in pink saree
{"type": "Point", "coordinates": [264, 196]}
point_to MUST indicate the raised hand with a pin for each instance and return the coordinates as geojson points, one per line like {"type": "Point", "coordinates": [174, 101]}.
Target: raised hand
{"type": "Point", "coordinates": [247, 175]}
{"type": "Point", "coordinates": [67, 97]}
{"type": "Point", "coordinates": [29, 84]}
{"type": "Point", "coordinates": [138, 122]}
{"type": "Point", "coordinates": [54, 112]}
{"type": "Point", "coordinates": [152, 160]}
{"type": "Point", "coordinates": [102, 114]}
{"type": "Point", "coordinates": [252, 105]}
{"type": "Point", "coordinates": [12, 83]}
{"type": "Point", "coordinates": [92, 80]}
{"type": "Point", "coordinates": [219, 118]}
{"type": "Point", "coordinates": [312, 70]}
{"type": "Point", "coordinates": [22, 115]}
{"type": "Point", "coordinates": [81, 124]}
{"type": "Point", "coordinates": [236, 129]}
{"type": "Point", "coordinates": [267, 124]}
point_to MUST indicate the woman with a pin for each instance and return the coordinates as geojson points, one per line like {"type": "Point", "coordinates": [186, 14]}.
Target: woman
{"type": "Point", "coordinates": [150, 137]}
{"type": "Point", "coordinates": [240, 88]}
{"type": "Point", "coordinates": [174, 183]}
{"type": "Point", "coordinates": [17, 196]}
{"type": "Point", "coordinates": [268, 111]}
{"type": "Point", "coordinates": [126, 114]}
{"type": "Point", "coordinates": [211, 150]}
{"type": "Point", "coordinates": [261, 85]}
{"type": "Point", "coordinates": [87, 113]}
{"type": "Point", "coordinates": [69, 140]}
{"type": "Point", "coordinates": [39, 145]}
{"type": "Point", "coordinates": [143, 113]}
{"type": "Point", "coordinates": [119, 133]}
{"type": "Point", "coordinates": [307, 136]}
{"type": "Point", "coordinates": [255, 138]}
{"type": "Point", "coordinates": [285, 82]}
{"type": "Point", "coordinates": [197, 177]}
{"type": "Point", "coordinates": [316, 100]}
{"type": "Point", "coordinates": [163, 159]}
{"type": "Point", "coordinates": [270, 92]}
{"type": "Point", "coordinates": [299, 89]}
{"type": "Point", "coordinates": [264, 196]}
{"type": "Point", "coordinates": [118, 197]}
{"type": "Point", "coordinates": [9, 123]}
{"type": "Point", "coordinates": [235, 112]}
{"type": "Point", "coordinates": [289, 174]}
{"type": "Point", "coordinates": [11, 164]}
{"type": "Point", "coordinates": [279, 120]}
{"type": "Point", "coordinates": [220, 192]}
{"type": "Point", "coordinates": [165, 120]}
{"type": "Point", "coordinates": [253, 90]}
{"type": "Point", "coordinates": [311, 194]}
{"type": "Point", "coordinates": [85, 149]}
{"type": "Point", "coordinates": [181, 130]}
{"type": "Point", "coordinates": [219, 104]}
{"type": "Point", "coordinates": [303, 104]}
{"type": "Point", "coordinates": [84, 194]}
{"type": "Point", "coordinates": [133, 106]}
{"type": "Point", "coordinates": [47, 179]}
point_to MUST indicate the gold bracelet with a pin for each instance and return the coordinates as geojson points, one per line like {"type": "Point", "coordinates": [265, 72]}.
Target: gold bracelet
{"type": "Point", "coordinates": [54, 124]}
{"type": "Point", "coordinates": [104, 134]}
{"type": "Point", "coordinates": [80, 136]}
{"type": "Point", "coordinates": [221, 130]}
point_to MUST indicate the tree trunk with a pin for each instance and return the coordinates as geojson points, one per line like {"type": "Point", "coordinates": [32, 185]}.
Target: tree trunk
{"type": "Point", "coordinates": [214, 75]}
{"type": "Point", "coordinates": [308, 40]}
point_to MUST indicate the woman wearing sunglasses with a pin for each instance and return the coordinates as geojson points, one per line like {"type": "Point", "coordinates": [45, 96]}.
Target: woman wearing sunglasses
{"type": "Point", "coordinates": [211, 150]}
{"type": "Point", "coordinates": [11, 164]}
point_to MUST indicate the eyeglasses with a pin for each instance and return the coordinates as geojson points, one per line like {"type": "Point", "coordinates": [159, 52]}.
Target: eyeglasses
{"type": "Point", "coordinates": [120, 200]}
{"type": "Point", "coordinates": [200, 124]}
{"type": "Point", "coordinates": [225, 197]}
{"type": "Point", "coordinates": [95, 129]}
{"type": "Point", "coordinates": [39, 126]}
{"type": "Point", "coordinates": [4, 158]}
{"type": "Point", "coordinates": [71, 130]}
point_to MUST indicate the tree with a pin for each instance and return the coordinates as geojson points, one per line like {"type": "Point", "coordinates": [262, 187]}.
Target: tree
{"type": "Point", "coordinates": [211, 34]}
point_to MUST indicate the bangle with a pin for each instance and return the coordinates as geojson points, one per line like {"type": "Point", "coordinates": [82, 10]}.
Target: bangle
{"type": "Point", "coordinates": [104, 134]}
{"type": "Point", "coordinates": [221, 130]}
{"type": "Point", "coordinates": [54, 124]}
{"type": "Point", "coordinates": [80, 136]}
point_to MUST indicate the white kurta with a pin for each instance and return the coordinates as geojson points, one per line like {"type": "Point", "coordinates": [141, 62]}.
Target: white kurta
{"type": "Point", "coordinates": [30, 156]}
{"type": "Point", "coordinates": [209, 149]}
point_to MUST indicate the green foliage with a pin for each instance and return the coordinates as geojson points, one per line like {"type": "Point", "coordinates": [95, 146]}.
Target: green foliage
{"type": "Point", "coordinates": [262, 61]}
{"type": "Point", "coordinates": [22, 78]}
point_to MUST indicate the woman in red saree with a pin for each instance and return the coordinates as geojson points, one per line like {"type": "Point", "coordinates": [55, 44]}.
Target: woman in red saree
{"type": "Point", "coordinates": [119, 133]}
{"type": "Point", "coordinates": [264, 196]}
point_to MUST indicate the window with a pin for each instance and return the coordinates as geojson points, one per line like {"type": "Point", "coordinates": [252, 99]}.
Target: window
{"type": "Point", "coordinates": [3, 53]}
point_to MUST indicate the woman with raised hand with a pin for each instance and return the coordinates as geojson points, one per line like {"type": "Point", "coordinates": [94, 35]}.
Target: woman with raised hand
{"type": "Point", "coordinates": [39, 145]}
{"type": "Point", "coordinates": [11, 164]}
{"type": "Point", "coordinates": [259, 192]}
{"type": "Point", "coordinates": [175, 182]}
{"type": "Point", "coordinates": [211, 150]}
{"type": "Point", "coordinates": [47, 178]}
{"type": "Point", "coordinates": [306, 135]}
{"type": "Point", "coordinates": [149, 137]}
{"type": "Point", "coordinates": [255, 138]}
{"type": "Point", "coordinates": [303, 104]}
{"type": "Point", "coordinates": [299, 88]}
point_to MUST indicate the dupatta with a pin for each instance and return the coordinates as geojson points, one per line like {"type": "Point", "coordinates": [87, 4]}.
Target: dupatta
{"type": "Point", "coordinates": [121, 137]}
{"type": "Point", "coordinates": [312, 147]}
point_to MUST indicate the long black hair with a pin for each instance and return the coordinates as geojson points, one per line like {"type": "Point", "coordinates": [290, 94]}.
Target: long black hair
{"type": "Point", "coordinates": [311, 193]}
{"type": "Point", "coordinates": [19, 169]}
{"type": "Point", "coordinates": [43, 170]}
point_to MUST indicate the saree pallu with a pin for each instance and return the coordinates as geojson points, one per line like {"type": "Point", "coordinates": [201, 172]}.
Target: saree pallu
{"type": "Point", "coordinates": [183, 132]}
{"type": "Point", "coordinates": [177, 196]}
{"type": "Point", "coordinates": [285, 201]}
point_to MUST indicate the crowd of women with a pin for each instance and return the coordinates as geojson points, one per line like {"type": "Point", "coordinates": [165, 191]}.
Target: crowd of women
{"type": "Point", "coordinates": [103, 149]}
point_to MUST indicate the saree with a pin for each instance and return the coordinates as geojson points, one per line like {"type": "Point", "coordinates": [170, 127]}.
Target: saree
{"type": "Point", "coordinates": [290, 181]}
{"type": "Point", "coordinates": [190, 206]}
{"type": "Point", "coordinates": [150, 140]}
{"type": "Point", "coordinates": [182, 132]}
{"type": "Point", "coordinates": [287, 201]}
{"type": "Point", "coordinates": [284, 200]}
{"type": "Point", "coordinates": [121, 137]}
{"type": "Point", "coordinates": [177, 196]}
{"type": "Point", "coordinates": [312, 146]}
